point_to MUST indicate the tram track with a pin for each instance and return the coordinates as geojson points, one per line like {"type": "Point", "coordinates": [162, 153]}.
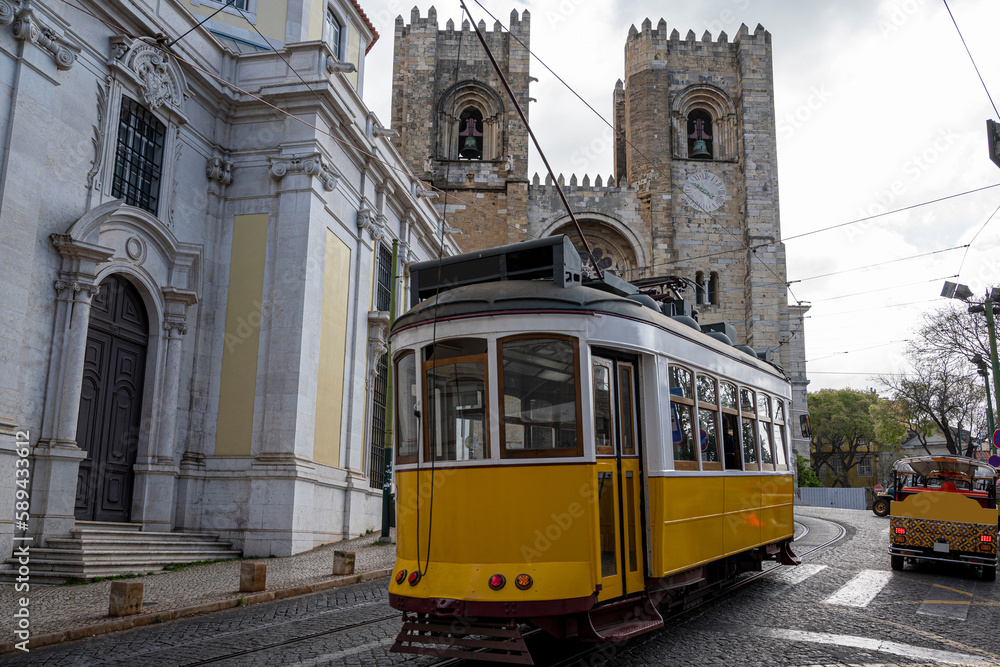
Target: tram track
{"type": "Point", "coordinates": [536, 638]}
{"type": "Point", "coordinates": [294, 640]}
{"type": "Point", "coordinates": [533, 635]}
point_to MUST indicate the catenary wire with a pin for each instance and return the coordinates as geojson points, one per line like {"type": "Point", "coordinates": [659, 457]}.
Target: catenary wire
{"type": "Point", "coordinates": [969, 244]}
{"type": "Point", "coordinates": [889, 261]}
{"type": "Point", "coordinates": [974, 65]}
{"type": "Point", "coordinates": [885, 213]}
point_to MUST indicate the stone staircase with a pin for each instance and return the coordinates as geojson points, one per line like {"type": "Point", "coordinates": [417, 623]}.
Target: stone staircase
{"type": "Point", "coordinates": [99, 549]}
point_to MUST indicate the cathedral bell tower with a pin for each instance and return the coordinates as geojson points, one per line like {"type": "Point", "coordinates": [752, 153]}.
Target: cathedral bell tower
{"type": "Point", "coordinates": [457, 127]}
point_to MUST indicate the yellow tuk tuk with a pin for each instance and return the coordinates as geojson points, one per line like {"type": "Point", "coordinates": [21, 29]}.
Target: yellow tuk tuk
{"type": "Point", "coordinates": [944, 509]}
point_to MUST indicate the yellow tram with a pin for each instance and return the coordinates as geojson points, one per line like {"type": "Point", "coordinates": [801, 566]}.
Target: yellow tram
{"type": "Point", "coordinates": [571, 456]}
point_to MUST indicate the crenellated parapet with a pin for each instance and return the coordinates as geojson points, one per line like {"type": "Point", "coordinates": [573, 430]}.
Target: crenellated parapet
{"type": "Point", "coordinates": [650, 47]}
{"type": "Point", "coordinates": [579, 185]}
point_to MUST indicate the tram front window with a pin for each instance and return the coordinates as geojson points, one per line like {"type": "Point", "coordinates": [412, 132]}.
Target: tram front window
{"type": "Point", "coordinates": [456, 411]}
{"type": "Point", "coordinates": [407, 420]}
{"type": "Point", "coordinates": [539, 397]}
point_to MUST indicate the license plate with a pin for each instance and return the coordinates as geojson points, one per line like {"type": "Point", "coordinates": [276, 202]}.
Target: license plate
{"type": "Point", "coordinates": [942, 547]}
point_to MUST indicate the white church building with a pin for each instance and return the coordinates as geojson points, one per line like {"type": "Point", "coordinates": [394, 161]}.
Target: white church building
{"type": "Point", "coordinates": [197, 212]}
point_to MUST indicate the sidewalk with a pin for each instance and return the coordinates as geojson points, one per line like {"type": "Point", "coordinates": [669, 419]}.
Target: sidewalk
{"type": "Point", "coordinates": [60, 613]}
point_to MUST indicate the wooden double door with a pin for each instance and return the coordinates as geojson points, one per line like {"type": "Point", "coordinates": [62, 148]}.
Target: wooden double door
{"type": "Point", "coordinates": [111, 402]}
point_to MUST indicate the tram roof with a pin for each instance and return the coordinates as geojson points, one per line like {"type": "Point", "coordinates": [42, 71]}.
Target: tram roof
{"type": "Point", "coordinates": [513, 296]}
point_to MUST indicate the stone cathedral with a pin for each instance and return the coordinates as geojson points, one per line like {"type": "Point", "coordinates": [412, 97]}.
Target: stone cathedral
{"type": "Point", "coordinates": [693, 191]}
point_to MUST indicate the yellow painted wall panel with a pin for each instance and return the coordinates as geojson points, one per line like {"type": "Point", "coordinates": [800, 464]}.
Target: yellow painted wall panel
{"type": "Point", "coordinates": [271, 17]}
{"type": "Point", "coordinates": [692, 497]}
{"type": "Point", "coordinates": [332, 351]}
{"type": "Point", "coordinates": [742, 492]}
{"type": "Point", "coordinates": [353, 55]}
{"type": "Point", "coordinates": [540, 520]}
{"type": "Point", "coordinates": [691, 541]}
{"type": "Point", "coordinates": [741, 531]}
{"type": "Point", "coordinates": [777, 523]}
{"type": "Point", "coordinates": [234, 428]}
{"type": "Point", "coordinates": [777, 490]}
{"type": "Point", "coordinates": [525, 514]}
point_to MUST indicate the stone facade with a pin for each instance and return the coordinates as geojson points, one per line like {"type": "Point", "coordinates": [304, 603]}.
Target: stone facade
{"type": "Point", "coordinates": [640, 221]}
{"type": "Point", "coordinates": [247, 408]}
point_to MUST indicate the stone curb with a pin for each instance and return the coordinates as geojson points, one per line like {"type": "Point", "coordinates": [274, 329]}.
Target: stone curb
{"type": "Point", "coordinates": [149, 618]}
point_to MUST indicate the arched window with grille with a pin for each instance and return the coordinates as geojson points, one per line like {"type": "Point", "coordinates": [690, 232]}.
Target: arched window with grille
{"type": "Point", "coordinates": [713, 288]}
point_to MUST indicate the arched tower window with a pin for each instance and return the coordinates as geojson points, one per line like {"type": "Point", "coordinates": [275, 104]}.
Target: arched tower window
{"type": "Point", "coordinates": [700, 135]}
{"type": "Point", "coordinates": [713, 288]}
{"type": "Point", "coordinates": [465, 101]}
{"type": "Point", "coordinates": [470, 134]}
{"type": "Point", "coordinates": [699, 290]}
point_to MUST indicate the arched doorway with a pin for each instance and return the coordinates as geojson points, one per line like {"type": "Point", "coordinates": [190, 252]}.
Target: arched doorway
{"type": "Point", "coordinates": [111, 401]}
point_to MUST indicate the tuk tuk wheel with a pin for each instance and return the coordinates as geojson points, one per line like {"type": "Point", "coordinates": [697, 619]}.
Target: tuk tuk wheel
{"type": "Point", "coordinates": [880, 507]}
{"type": "Point", "coordinates": [989, 572]}
{"type": "Point", "coordinates": [897, 562]}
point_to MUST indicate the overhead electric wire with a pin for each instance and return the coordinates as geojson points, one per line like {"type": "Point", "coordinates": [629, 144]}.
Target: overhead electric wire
{"type": "Point", "coordinates": [863, 349]}
{"type": "Point", "coordinates": [886, 289]}
{"type": "Point", "coordinates": [896, 210]}
{"type": "Point", "coordinates": [889, 261]}
{"type": "Point", "coordinates": [974, 65]}
{"type": "Point", "coordinates": [969, 244]}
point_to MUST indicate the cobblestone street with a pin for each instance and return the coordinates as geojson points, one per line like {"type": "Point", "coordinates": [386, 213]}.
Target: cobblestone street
{"type": "Point", "coordinates": [842, 606]}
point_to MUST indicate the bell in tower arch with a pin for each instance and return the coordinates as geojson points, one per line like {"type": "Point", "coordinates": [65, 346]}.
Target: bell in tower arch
{"type": "Point", "coordinates": [470, 146]}
{"type": "Point", "coordinates": [699, 148]}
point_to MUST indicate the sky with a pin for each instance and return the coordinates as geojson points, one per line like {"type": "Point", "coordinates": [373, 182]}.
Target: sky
{"type": "Point", "coordinates": [878, 107]}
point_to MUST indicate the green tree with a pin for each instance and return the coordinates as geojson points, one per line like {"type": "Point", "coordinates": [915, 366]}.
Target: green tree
{"type": "Point", "coordinates": [807, 476]}
{"type": "Point", "coordinates": [942, 391]}
{"type": "Point", "coordinates": [843, 430]}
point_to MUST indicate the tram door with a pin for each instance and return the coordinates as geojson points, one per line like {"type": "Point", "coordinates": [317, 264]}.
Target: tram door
{"type": "Point", "coordinates": [619, 476]}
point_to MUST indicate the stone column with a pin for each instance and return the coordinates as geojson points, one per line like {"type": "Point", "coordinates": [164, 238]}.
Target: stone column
{"type": "Point", "coordinates": [57, 457]}
{"type": "Point", "coordinates": [156, 476]}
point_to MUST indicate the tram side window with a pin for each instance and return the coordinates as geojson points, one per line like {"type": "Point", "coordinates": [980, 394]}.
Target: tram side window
{"type": "Point", "coordinates": [708, 420]}
{"type": "Point", "coordinates": [455, 401]}
{"type": "Point", "coordinates": [407, 420]}
{"type": "Point", "coordinates": [604, 426]}
{"type": "Point", "coordinates": [540, 397]}
{"type": "Point", "coordinates": [779, 435]}
{"type": "Point", "coordinates": [730, 426]}
{"type": "Point", "coordinates": [748, 415]}
{"type": "Point", "coordinates": [682, 418]}
{"type": "Point", "coordinates": [764, 431]}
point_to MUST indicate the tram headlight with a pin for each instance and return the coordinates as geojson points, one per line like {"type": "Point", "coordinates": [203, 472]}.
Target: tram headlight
{"type": "Point", "coordinates": [401, 576]}
{"type": "Point", "coordinates": [497, 581]}
{"type": "Point", "coordinates": [523, 581]}
{"type": "Point", "coordinates": [414, 577]}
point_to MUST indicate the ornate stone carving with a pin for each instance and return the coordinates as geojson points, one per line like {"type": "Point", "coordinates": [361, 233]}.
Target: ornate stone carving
{"type": "Point", "coordinates": [313, 164]}
{"type": "Point", "coordinates": [219, 169]}
{"type": "Point", "coordinates": [378, 340]}
{"type": "Point", "coordinates": [374, 224]}
{"type": "Point", "coordinates": [103, 92]}
{"type": "Point", "coordinates": [135, 249]}
{"type": "Point", "coordinates": [332, 65]}
{"type": "Point", "coordinates": [77, 287]}
{"type": "Point", "coordinates": [170, 327]}
{"type": "Point", "coordinates": [28, 28]}
{"type": "Point", "coordinates": [152, 68]}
